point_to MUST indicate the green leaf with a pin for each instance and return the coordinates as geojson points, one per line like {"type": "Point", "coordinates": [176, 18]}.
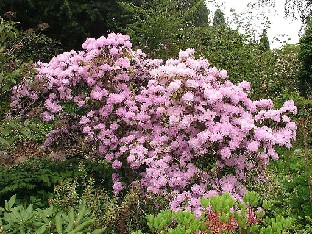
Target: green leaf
{"type": "Point", "coordinates": [71, 220]}
{"type": "Point", "coordinates": [58, 224]}
{"type": "Point", "coordinates": [5, 131]}
{"type": "Point", "coordinates": [9, 204]}
{"type": "Point", "coordinates": [4, 142]}
{"type": "Point", "coordinates": [42, 229]}
{"type": "Point", "coordinates": [204, 202]}
{"type": "Point", "coordinates": [100, 231]}
{"type": "Point", "coordinates": [81, 227]}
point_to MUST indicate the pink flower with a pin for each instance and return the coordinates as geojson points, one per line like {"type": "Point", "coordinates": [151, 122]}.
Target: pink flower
{"type": "Point", "coordinates": [113, 51]}
{"type": "Point", "coordinates": [84, 120]}
{"type": "Point", "coordinates": [212, 94]}
{"type": "Point", "coordinates": [116, 98]}
{"type": "Point", "coordinates": [188, 97]}
{"type": "Point", "coordinates": [174, 86]}
{"type": "Point", "coordinates": [223, 74]}
{"type": "Point", "coordinates": [225, 153]}
{"type": "Point", "coordinates": [116, 164]}
{"type": "Point", "coordinates": [123, 62]}
{"type": "Point", "coordinates": [46, 116]}
{"type": "Point", "coordinates": [117, 187]}
{"type": "Point", "coordinates": [97, 95]}
{"type": "Point", "coordinates": [253, 146]}
{"type": "Point", "coordinates": [192, 83]}
{"type": "Point", "coordinates": [109, 157]}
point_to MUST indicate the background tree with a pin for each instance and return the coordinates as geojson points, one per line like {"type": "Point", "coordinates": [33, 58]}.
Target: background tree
{"type": "Point", "coordinates": [70, 21]}
{"type": "Point", "coordinates": [305, 58]}
{"type": "Point", "coordinates": [218, 18]}
{"type": "Point", "coordinates": [159, 27]}
{"type": "Point", "coordinates": [264, 41]}
{"type": "Point", "coordinates": [197, 13]}
{"type": "Point", "coordinates": [292, 8]}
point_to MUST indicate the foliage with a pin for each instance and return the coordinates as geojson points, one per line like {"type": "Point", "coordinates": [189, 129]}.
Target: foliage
{"type": "Point", "coordinates": [18, 219]}
{"type": "Point", "coordinates": [183, 110]}
{"type": "Point", "coordinates": [218, 18]}
{"type": "Point", "coordinates": [69, 21]}
{"type": "Point", "coordinates": [287, 188]}
{"type": "Point", "coordinates": [284, 81]}
{"type": "Point", "coordinates": [33, 46]}
{"type": "Point", "coordinates": [305, 58]}
{"type": "Point", "coordinates": [218, 216]}
{"type": "Point", "coordinates": [15, 131]}
{"type": "Point", "coordinates": [116, 215]}
{"type": "Point", "coordinates": [33, 181]}
{"type": "Point", "coordinates": [294, 197]}
{"type": "Point", "coordinates": [292, 8]}
{"type": "Point", "coordinates": [159, 26]}
{"type": "Point", "coordinates": [18, 50]}
{"type": "Point", "coordinates": [7, 31]}
{"type": "Point", "coordinates": [264, 41]}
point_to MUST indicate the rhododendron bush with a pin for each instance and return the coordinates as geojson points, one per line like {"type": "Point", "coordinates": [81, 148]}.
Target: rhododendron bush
{"type": "Point", "coordinates": [180, 128]}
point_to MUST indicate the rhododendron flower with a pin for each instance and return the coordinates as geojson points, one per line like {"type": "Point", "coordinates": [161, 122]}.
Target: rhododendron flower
{"type": "Point", "coordinates": [223, 74]}
{"type": "Point", "coordinates": [84, 120]}
{"type": "Point", "coordinates": [175, 85]}
{"type": "Point", "coordinates": [253, 146]}
{"type": "Point", "coordinates": [46, 116]}
{"type": "Point", "coordinates": [116, 164]}
{"type": "Point", "coordinates": [117, 187]}
{"type": "Point", "coordinates": [188, 97]}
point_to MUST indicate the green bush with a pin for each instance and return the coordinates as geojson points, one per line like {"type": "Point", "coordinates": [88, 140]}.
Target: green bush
{"type": "Point", "coordinates": [34, 180]}
{"type": "Point", "coordinates": [8, 31]}
{"type": "Point", "coordinates": [14, 131]}
{"type": "Point", "coordinates": [221, 214]}
{"type": "Point", "coordinates": [18, 219]}
{"type": "Point", "coordinates": [117, 215]}
{"type": "Point", "coordinates": [33, 46]}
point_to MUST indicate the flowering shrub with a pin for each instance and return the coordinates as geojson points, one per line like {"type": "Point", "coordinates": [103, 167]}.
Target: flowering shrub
{"type": "Point", "coordinates": [180, 128]}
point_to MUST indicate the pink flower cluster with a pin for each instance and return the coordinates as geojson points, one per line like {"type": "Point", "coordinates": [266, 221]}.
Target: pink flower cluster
{"type": "Point", "coordinates": [179, 127]}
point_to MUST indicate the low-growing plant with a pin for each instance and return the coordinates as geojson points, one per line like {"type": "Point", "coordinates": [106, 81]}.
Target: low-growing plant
{"type": "Point", "coordinates": [117, 215]}
{"type": "Point", "coordinates": [18, 219]}
{"type": "Point", "coordinates": [290, 191]}
{"type": "Point", "coordinates": [33, 181]}
{"type": "Point", "coordinates": [220, 214]}
{"type": "Point", "coordinates": [14, 131]}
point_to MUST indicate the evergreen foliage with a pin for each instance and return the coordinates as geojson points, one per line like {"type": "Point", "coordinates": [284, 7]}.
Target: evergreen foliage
{"type": "Point", "coordinates": [34, 180]}
{"type": "Point", "coordinates": [217, 217]}
{"type": "Point", "coordinates": [159, 27]}
{"type": "Point", "coordinates": [264, 41]}
{"type": "Point", "coordinates": [305, 57]}
{"type": "Point", "coordinates": [18, 219]}
{"type": "Point", "coordinates": [69, 21]}
{"type": "Point", "coordinates": [218, 18]}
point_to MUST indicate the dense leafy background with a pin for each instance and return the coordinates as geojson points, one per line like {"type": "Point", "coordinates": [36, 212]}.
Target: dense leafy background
{"type": "Point", "coordinates": [160, 28]}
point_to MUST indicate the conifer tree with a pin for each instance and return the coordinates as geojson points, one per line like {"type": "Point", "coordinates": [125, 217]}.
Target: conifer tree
{"type": "Point", "coordinates": [264, 41]}
{"type": "Point", "coordinates": [305, 58]}
{"type": "Point", "coordinates": [218, 18]}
